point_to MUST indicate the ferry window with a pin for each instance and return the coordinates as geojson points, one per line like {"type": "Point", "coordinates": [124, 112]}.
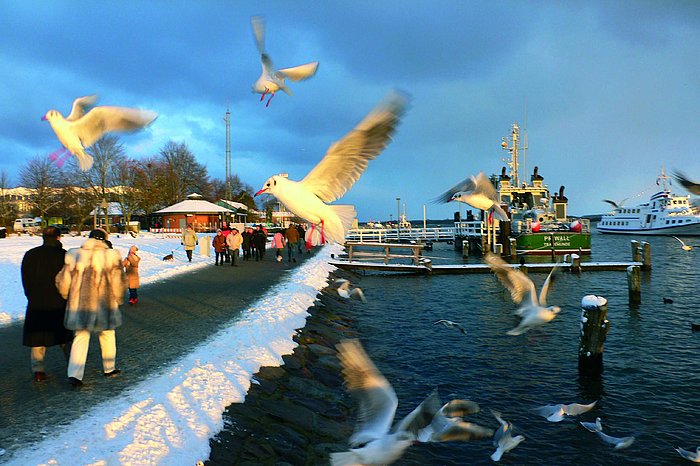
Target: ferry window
{"type": "Point", "coordinates": [666, 222]}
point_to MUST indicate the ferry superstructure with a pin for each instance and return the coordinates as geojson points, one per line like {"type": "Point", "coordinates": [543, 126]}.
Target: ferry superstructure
{"type": "Point", "coordinates": [665, 214]}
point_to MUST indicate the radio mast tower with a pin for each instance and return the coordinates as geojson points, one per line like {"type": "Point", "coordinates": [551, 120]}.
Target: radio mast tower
{"type": "Point", "coordinates": [227, 120]}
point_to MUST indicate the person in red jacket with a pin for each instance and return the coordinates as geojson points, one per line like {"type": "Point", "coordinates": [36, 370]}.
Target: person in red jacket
{"type": "Point", "coordinates": [219, 245]}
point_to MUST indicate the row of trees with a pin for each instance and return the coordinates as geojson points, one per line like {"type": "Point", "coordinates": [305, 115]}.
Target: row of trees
{"type": "Point", "coordinates": [145, 185]}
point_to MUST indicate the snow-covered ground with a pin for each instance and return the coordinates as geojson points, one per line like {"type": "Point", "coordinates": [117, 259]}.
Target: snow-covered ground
{"type": "Point", "coordinates": [170, 418]}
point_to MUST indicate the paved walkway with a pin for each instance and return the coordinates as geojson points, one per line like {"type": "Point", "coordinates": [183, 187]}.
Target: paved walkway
{"type": "Point", "coordinates": [171, 318]}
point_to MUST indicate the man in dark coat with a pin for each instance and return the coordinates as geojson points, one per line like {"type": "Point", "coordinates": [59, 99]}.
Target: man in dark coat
{"type": "Point", "coordinates": [43, 321]}
{"type": "Point", "coordinates": [260, 239]}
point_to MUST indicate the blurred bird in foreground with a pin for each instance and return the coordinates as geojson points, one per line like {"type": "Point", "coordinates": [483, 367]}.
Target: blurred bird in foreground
{"type": "Point", "coordinates": [503, 439]}
{"type": "Point", "coordinates": [532, 311]}
{"type": "Point", "coordinates": [271, 80]}
{"type": "Point", "coordinates": [557, 413]}
{"type": "Point", "coordinates": [340, 168]}
{"type": "Point", "coordinates": [82, 128]}
{"type": "Point", "coordinates": [478, 192]}
{"type": "Point", "coordinates": [691, 186]}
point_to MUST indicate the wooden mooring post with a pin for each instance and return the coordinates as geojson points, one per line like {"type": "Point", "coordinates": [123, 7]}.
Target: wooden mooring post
{"type": "Point", "coordinates": [594, 330]}
{"type": "Point", "coordinates": [641, 252]}
{"type": "Point", "coordinates": [634, 284]}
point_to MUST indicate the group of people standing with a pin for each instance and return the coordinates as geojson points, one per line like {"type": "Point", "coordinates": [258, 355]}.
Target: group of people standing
{"type": "Point", "coordinates": [228, 241]}
{"type": "Point", "coordinates": [72, 294]}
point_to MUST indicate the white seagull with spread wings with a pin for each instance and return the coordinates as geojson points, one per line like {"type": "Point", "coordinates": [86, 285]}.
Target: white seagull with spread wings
{"type": "Point", "coordinates": [271, 80]}
{"type": "Point", "coordinates": [557, 413]}
{"type": "Point", "coordinates": [82, 129]}
{"type": "Point", "coordinates": [533, 312]}
{"type": "Point", "coordinates": [340, 168]}
{"type": "Point", "coordinates": [478, 192]}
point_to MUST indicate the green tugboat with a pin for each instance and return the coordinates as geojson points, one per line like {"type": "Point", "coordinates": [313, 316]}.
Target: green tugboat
{"type": "Point", "coordinates": [539, 221]}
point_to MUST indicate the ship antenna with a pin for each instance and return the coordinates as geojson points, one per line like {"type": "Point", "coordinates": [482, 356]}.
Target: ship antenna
{"type": "Point", "coordinates": [525, 143]}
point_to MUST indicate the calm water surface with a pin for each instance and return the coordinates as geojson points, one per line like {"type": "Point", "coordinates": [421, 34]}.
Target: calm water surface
{"type": "Point", "coordinates": [650, 387]}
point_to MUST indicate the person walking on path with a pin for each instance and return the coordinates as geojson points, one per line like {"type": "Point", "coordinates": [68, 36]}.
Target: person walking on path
{"type": "Point", "coordinates": [234, 241]}
{"type": "Point", "coordinates": [302, 234]}
{"type": "Point", "coordinates": [226, 230]}
{"type": "Point", "coordinates": [292, 237]}
{"type": "Point", "coordinates": [189, 241]}
{"type": "Point", "coordinates": [131, 264]}
{"type": "Point", "coordinates": [219, 245]}
{"type": "Point", "coordinates": [278, 244]}
{"type": "Point", "coordinates": [247, 242]}
{"type": "Point", "coordinates": [93, 281]}
{"type": "Point", "coordinates": [46, 308]}
{"type": "Point", "coordinates": [260, 240]}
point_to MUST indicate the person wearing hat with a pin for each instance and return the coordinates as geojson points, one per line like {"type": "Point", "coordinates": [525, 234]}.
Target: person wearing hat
{"type": "Point", "coordinates": [131, 264]}
{"type": "Point", "coordinates": [234, 241]}
{"type": "Point", "coordinates": [219, 245]}
{"type": "Point", "coordinates": [93, 282]}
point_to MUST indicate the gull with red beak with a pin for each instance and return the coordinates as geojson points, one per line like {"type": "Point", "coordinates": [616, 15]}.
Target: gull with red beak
{"type": "Point", "coordinates": [271, 80]}
{"type": "Point", "coordinates": [340, 168]}
{"type": "Point", "coordinates": [81, 130]}
{"type": "Point", "coordinates": [478, 192]}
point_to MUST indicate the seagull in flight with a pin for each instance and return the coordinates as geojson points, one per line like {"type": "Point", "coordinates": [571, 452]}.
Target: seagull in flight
{"type": "Point", "coordinates": [685, 247]}
{"type": "Point", "coordinates": [346, 292]}
{"type": "Point", "coordinates": [616, 205]}
{"type": "Point", "coordinates": [82, 128]}
{"type": "Point", "coordinates": [450, 324]}
{"type": "Point", "coordinates": [533, 312]}
{"type": "Point", "coordinates": [271, 80]}
{"type": "Point", "coordinates": [557, 413]}
{"type": "Point", "coordinates": [502, 439]}
{"type": "Point", "coordinates": [689, 455]}
{"type": "Point", "coordinates": [617, 442]}
{"type": "Point", "coordinates": [340, 168]}
{"type": "Point", "coordinates": [690, 186]}
{"type": "Point", "coordinates": [478, 192]}
{"type": "Point", "coordinates": [372, 442]}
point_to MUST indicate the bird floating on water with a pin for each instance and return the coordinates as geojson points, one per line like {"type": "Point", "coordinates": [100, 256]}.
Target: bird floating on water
{"type": "Point", "coordinates": [478, 192]}
{"type": "Point", "coordinates": [450, 324]}
{"type": "Point", "coordinates": [557, 413]}
{"type": "Point", "coordinates": [503, 439]}
{"type": "Point", "coordinates": [82, 129]}
{"type": "Point", "coordinates": [533, 312]}
{"type": "Point", "coordinates": [340, 168]}
{"type": "Point", "coordinates": [685, 247]}
{"type": "Point", "coordinates": [271, 80]}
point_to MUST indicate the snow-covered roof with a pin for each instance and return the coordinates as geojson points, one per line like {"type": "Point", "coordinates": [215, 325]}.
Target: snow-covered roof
{"type": "Point", "coordinates": [191, 206]}
{"type": "Point", "coordinates": [113, 210]}
{"type": "Point", "coordinates": [234, 204]}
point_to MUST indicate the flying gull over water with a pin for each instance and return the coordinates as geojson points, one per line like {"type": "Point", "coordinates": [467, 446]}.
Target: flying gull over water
{"type": "Point", "coordinates": [81, 129]}
{"type": "Point", "coordinates": [556, 413]}
{"type": "Point", "coordinates": [340, 168]}
{"type": "Point", "coordinates": [450, 324]}
{"type": "Point", "coordinates": [271, 80]}
{"type": "Point", "coordinates": [448, 425]}
{"type": "Point", "coordinates": [685, 247]}
{"type": "Point", "coordinates": [478, 192]}
{"type": "Point", "coordinates": [533, 312]}
{"type": "Point", "coordinates": [619, 443]}
{"type": "Point", "coordinates": [690, 186]}
{"type": "Point", "coordinates": [345, 290]}
{"type": "Point", "coordinates": [503, 439]}
{"type": "Point", "coordinates": [693, 456]}
{"type": "Point", "coordinates": [616, 205]}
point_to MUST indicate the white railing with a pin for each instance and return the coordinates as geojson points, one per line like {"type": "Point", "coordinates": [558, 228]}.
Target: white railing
{"type": "Point", "coordinates": [392, 234]}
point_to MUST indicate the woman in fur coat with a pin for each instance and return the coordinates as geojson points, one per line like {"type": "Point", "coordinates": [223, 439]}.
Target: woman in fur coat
{"type": "Point", "coordinates": [93, 281]}
{"type": "Point", "coordinates": [131, 264]}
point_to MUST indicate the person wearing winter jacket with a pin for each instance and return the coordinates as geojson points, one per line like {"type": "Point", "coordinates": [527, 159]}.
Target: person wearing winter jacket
{"type": "Point", "coordinates": [189, 241]}
{"type": "Point", "coordinates": [93, 282]}
{"type": "Point", "coordinates": [219, 245]}
{"type": "Point", "coordinates": [278, 243]}
{"type": "Point", "coordinates": [131, 265]}
{"type": "Point", "coordinates": [234, 241]}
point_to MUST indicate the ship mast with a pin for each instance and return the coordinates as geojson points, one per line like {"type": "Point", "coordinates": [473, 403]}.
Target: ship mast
{"type": "Point", "coordinates": [513, 149]}
{"type": "Point", "coordinates": [662, 177]}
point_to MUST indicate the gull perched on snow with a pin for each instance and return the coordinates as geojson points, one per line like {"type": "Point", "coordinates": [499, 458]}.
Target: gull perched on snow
{"type": "Point", "coordinates": [373, 443]}
{"type": "Point", "coordinates": [340, 168]}
{"type": "Point", "coordinates": [556, 413]}
{"type": "Point", "coordinates": [450, 324]}
{"type": "Point", "coordinates": [685, 247]}
{"type": "Point", "coordinates": [502, 439]}
{"type": "Point", "coordinates": [478, 192]}
{"type": "Point", "coordinates": [691, 186]}
{"type": "Point", "coordinates": [533, 312]}
{"type": "Point", "coordinates": [617, 442]}
{"type": "Point", "coordinates": [82, 129]}
{"type": "Point", "coordinates": [689, 455]}
{"type": "Point", "coordinates": [271, 80]}
{"type": "Point", "coordinates": [345, 292]}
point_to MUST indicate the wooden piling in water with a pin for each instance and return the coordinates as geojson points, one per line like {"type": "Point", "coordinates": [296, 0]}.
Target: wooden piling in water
{"type": "Point", "coordinates": [513, 248]}
{"type": "Point", "coordinates": [594, 330]}
{"type": "Point", "coordinates": [634, 284]}
{"type": "Point", "coordinates": [646, 256]}
{"type": "Point", "coordinates": [636, 251]}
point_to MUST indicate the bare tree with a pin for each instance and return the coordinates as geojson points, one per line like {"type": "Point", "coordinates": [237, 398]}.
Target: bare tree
{"type": "Point", "coordinates": [7, 209]}
{"type": "Point", "coordinates": [183, 174]}
{"type": "Point", "coordinates": [123, 177]}
{"type": "Point", "coordinates": [41, 175]}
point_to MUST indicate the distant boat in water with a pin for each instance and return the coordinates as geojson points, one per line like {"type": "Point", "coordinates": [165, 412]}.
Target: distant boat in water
{"type": "Point", "coordinates": [665, 214]}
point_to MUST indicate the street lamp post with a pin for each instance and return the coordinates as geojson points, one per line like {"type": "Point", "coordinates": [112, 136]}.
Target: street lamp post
{"type": "Point", "coordinates": [398, 219]}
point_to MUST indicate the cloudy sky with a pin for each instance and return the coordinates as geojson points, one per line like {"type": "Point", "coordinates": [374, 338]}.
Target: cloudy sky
{"type": "Point", "coordinates": [608, 91]}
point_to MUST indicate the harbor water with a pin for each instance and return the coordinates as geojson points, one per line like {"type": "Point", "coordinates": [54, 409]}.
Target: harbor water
{"type": "Point", "coordinates": [649, 388]}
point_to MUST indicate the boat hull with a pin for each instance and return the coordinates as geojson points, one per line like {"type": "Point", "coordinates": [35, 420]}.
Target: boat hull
{"type": "Point", "coordinates": [562, 242]}
{"type": "Point", "coordinates": [676, 230]}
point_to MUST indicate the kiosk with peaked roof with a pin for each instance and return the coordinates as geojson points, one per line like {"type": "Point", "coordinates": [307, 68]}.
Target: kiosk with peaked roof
{"type": "Point", "coordinates": [203, 215]}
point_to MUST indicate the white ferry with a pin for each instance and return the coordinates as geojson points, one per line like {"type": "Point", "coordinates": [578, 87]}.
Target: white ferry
{"type": "Point", "coordinates": [664, 214]}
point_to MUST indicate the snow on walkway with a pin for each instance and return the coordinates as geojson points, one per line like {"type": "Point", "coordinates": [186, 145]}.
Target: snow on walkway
{"type": "Point", "coordinates": [170, 418]}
